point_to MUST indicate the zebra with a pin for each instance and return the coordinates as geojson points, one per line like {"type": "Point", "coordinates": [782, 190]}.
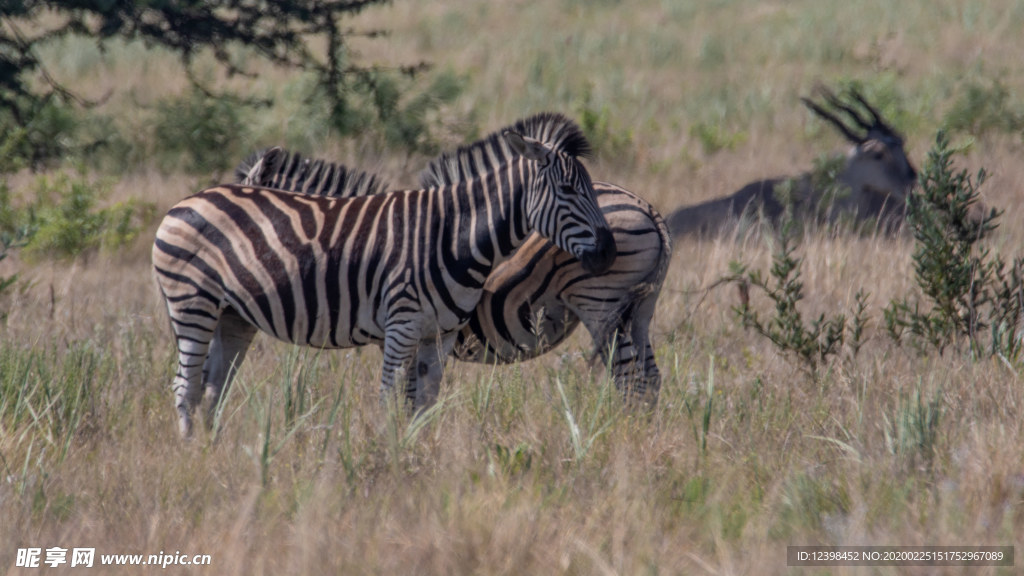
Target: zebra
{"type": "Point", "coordinates": [403, 270]}
{"type": "Point", "coordinates": [533, 301]}
{"type": "Point", "coordinates": [874, 181]}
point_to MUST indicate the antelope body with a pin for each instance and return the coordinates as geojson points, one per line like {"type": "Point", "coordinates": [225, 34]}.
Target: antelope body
{"type": "Point", "coordinates": [875, 179]}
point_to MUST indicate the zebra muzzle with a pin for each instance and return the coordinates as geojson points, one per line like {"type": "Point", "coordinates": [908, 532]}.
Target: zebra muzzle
{"type": "Point", "coordinates": [598, 260]}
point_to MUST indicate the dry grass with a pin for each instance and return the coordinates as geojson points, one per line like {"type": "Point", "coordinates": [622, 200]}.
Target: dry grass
{"type": "Point", "coordinates": [744, 455]}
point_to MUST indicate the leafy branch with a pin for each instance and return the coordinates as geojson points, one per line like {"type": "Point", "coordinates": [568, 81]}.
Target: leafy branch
{"type": "Point", "coordinates": [814, 343]}
{"type": "Point", "coordinates": [969, 292]}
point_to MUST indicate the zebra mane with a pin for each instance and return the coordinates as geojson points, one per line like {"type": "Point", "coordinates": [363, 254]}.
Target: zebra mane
{"type": "Point", "coordinates": [278, 168]}
{"type": "Point", "coordinates": [551, 128]}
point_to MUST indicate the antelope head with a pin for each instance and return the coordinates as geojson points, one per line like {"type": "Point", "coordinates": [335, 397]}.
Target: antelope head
{"type": "Point", "coordinates": [878, 163]}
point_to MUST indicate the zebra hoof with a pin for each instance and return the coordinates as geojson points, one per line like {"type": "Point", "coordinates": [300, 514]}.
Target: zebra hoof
{"type": "Point", "coordinates": [184, 423]}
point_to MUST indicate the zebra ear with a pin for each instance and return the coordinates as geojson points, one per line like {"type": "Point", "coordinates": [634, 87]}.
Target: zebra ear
{"type": "Point", "coordinates": [263, 168]}
{"type": "Point", "coordinates": [528, 147]}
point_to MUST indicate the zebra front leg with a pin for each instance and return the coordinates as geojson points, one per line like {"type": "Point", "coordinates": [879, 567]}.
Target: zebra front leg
{"type": "Point", "coordinates": [399, 351]}
{"type": "Point", "coordinates": [430, 361]}
{"type": "Point", "coordinates": [227, 351]}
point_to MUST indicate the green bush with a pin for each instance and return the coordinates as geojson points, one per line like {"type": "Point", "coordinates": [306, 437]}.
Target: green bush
{"type": "Point", "coordinates": [814, 343]}
{"type": "Point", "coordinates": [968, 296]}
{"type": "Point", "coordinates": [971, 296]}
{"type": "Point", "coordinates": [714, 137]}
{"type": "Point", "coordinates": [63, 220]}
{"type": "Point", "coordinates": [982, 109]}
{"type": "Point", "coordinates": [198, 132]}
{"type": "Point", "coordinates": [408, 123]}
{"type": "Point", "coordinates": [383, 108]}
{"type": "Point", "coordinates": [608, 140]}
{"type": "Point", "coordinates": [45, 131]}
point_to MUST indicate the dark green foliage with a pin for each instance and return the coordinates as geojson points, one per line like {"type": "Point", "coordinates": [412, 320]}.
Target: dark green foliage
{"type": "Point", "coordinates": [13, 235]}
{"type": "Point", "coordinates": [62, 218]}
{"type": "Point", "coordinates": [42, 130]}
{"type": "Point", "coordinates": [812, 344]}
{"type": "Point", "coordinates": [609, 141]}
{"type": "Point", "coordinates": [406, 121]}
{"type": "Point", "coordinates": [971, 295]}
{"type": "Point", "coordinates": [201, 133]}
{"type": "Point", "coordinates": [982, 109]}
{"type": "Point", "coordinates": [10, 239]}
{"type": "Point", "coordinates": [385, 108]}
{"type": "Point", "coordinates": [274, 31]}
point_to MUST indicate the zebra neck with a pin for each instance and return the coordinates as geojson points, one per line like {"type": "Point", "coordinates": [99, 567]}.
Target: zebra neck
{"type": "Point", "coordinates": [486, 220]}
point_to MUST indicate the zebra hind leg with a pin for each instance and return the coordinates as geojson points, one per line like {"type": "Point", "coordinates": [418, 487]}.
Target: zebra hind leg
{"type": "Point", "coordinates": [624, 347]}
{"type": "Point", "coordinates": [644, 373]}
{"type": "Point", "coordinates": [193, 342]}
{"type": "Point", "coordinates": [227, 351]}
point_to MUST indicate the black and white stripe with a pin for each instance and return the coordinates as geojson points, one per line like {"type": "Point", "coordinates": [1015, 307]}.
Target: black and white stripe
{"type": "Point", "coordinates": [533, 301]}
{"type": "Point", "coordinates": [404, 270]}
{"type": "Point", "coordinates": [276, 168]}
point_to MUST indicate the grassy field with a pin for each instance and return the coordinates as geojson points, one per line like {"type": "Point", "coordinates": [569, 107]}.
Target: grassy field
{"type": "Point", "coordinates": [538, 468]}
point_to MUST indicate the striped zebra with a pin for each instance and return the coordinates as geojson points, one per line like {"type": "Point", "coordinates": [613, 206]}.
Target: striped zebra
{"type": "Point", "coordinates": [403, 270]}
{"type": "Point", "coordinates": [533, 301]}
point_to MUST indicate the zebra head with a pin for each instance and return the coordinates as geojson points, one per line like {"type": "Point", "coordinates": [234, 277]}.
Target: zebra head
{"type": "Point", "coordinates": [561, 204]}
{"type": "Point", "coordinates": [878, 161]}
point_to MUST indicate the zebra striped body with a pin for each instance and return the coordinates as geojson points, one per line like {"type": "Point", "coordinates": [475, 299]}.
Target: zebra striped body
{"type": "Point", "coordinates": [404, 270]}
{"type": "Point", "coordinates": [533, 301]}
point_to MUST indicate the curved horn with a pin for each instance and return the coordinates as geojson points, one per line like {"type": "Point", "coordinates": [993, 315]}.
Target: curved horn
{"type": "Point", "coordinates": [833, 119]}
{"type": "Point", "coordinates": [879, 123]}
{"type": "Point", "coordinates": [836, 102]}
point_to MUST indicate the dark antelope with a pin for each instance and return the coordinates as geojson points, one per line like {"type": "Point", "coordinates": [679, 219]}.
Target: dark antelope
{"type": "Point", "coordinates": [873, 183]}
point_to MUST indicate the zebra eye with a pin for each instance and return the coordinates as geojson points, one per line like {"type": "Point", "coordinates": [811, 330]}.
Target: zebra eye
{"type": "Point", "coordinates": [568, 189]}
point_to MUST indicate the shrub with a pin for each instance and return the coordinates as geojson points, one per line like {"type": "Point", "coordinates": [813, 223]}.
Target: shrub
{"type": "Point", "coordinates": [408, 123]}
{"type": "Point", "coordinates": [47, 131]}
{"type": "Point", "coordinates": [812, 344]}
{"type": "Point", "coordinates": [971, 295]}
{"type": "Point", "coordinates": [714, 137]}
{"type": "Point", "coordinates": [198, 132]}
{"type": "Point", "coordinates": [596, 123]}
{"type": "Point", "coordinates": [981, 109]}
{"type": "Point", "coordinates": [62, 219]}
